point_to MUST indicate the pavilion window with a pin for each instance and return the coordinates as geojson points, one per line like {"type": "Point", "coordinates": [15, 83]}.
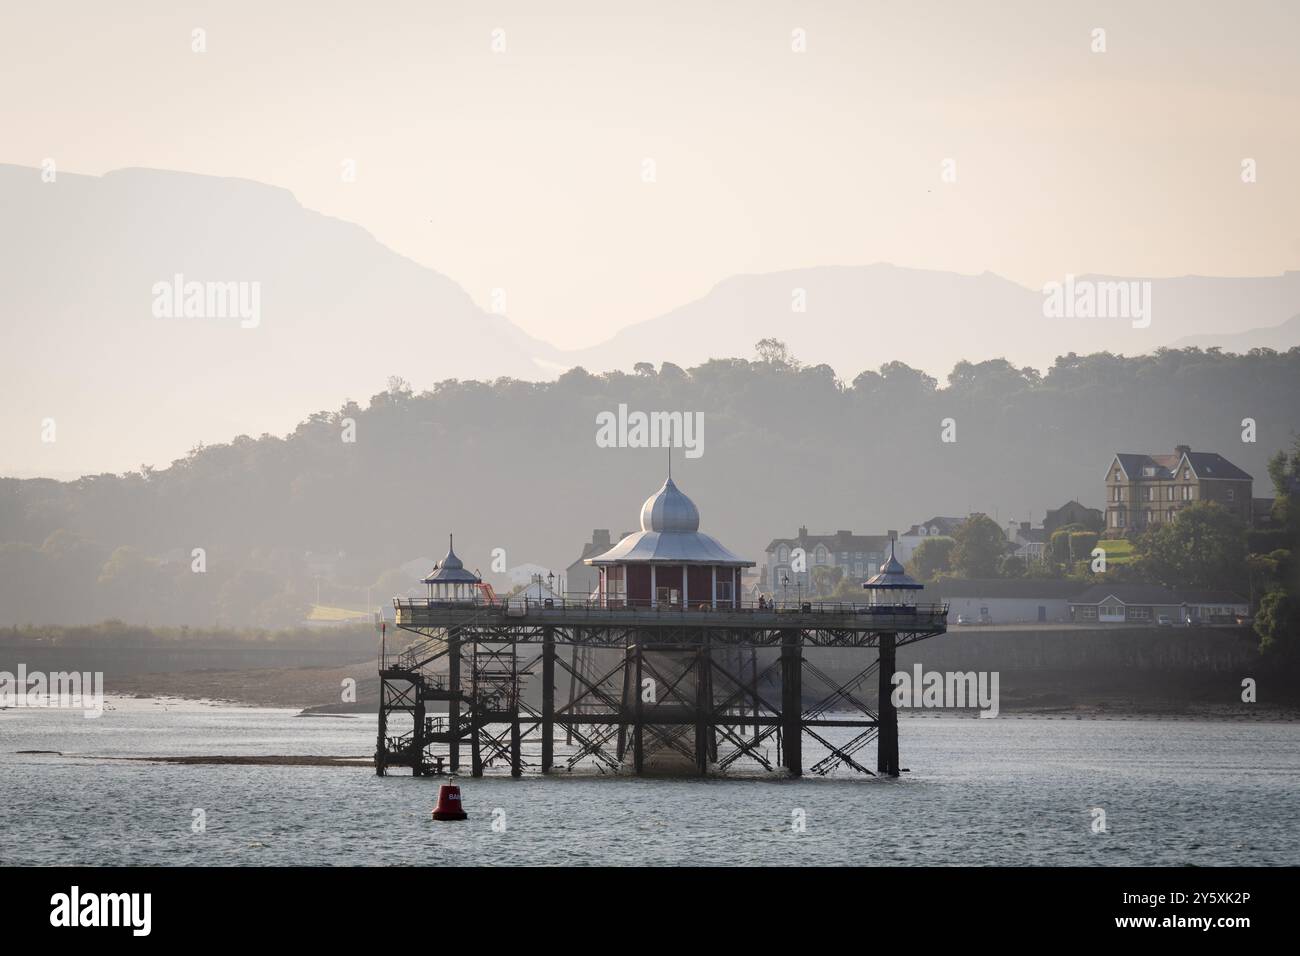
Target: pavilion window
{"type": "Point", "coordinates": [616, 585]}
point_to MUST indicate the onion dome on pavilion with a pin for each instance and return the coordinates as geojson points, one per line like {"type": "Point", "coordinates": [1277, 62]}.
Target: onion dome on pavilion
{"type": "Point", "coordinates": [892, 576]}
{"type": "Point", "coordinates": [670, 534]}
{"type": "Point", "coordinates": [450, 570]}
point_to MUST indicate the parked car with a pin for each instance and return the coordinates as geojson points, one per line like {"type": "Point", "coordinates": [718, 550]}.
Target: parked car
{"type": "Point", "coordinates": [1164, 620]}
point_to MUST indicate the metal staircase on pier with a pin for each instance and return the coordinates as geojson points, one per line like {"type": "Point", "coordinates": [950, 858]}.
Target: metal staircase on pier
{"type": "Point", "coordinates": [473, 704]}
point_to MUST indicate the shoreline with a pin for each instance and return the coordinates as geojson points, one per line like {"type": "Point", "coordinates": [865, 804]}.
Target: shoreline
{"type": "Point", "coordinates": [1085, 708]}
{"type": "Point", "coordinates": [315, 692]}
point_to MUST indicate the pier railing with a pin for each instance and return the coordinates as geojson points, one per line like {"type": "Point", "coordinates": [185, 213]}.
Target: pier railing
{"type": "Point", "coordinates": [778, 614]}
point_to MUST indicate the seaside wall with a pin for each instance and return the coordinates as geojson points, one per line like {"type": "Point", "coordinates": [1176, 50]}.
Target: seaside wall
{"type": "Point", "coordinates": [157, 659]}
{"type": "Point", "coordinates": [1103, 648]}
{"type": "Point", "coordinates": [1063, 667]}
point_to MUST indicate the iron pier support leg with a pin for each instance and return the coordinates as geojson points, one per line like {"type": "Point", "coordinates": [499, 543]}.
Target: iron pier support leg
{"type": "Point", "coordinates": [548, 698]}
{"type": "Point", "coordinates": [792, 701]}
{"type": "Point", "coordinates": [625, 702]}
{"type": "Point", "coordinates": [573, 695]}
{"type": "Point", "coordinates": [475, 752]}
{"type": "Point", "coordinates": [638, 742]}
{"type": "Point", "coordinates": [381, 746]}
{"type": "Point", "coordinates": [711, 737]}
{"type": "Point", "coordinates": [453, 706]}
{"type": "Point", "coordinates": [417, 732]}
{"type": "Point", "coordinates": [703, 724]}
{"type": "Point", "coordinates": [887, 738]}
{"type": "Point", "coordinates": [516, 760]}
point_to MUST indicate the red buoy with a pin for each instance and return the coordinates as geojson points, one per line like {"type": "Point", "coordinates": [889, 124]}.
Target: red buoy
{"type": "Point", "coordinates": [449, 807]}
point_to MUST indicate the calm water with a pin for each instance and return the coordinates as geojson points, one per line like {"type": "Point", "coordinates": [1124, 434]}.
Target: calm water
{"type": "Point", "coordinates": [1004, 791]}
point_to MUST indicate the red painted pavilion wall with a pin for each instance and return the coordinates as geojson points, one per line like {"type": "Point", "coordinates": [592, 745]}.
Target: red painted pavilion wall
{"type": "Point", "coordinates": [700, 582]}
{"type": "Point", "coordinates": [638, 583]}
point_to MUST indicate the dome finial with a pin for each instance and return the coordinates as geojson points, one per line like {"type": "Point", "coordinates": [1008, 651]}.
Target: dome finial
{"type": "Point", "coordinates": [669, 510]}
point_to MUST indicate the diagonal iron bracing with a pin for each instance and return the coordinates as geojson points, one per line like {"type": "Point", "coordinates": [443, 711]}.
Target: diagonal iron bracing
{"type": "Point", "coordinates": [594, 688]}
{"type": "Point", "coordinates": [725, 690]}
{"type": "Point", "coordinates": [841, 692]}
{"type": "Point", "coordinates": [841, 755]}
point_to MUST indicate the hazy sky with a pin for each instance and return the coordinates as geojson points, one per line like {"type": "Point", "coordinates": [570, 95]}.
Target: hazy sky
{"type": "Point", "coordinates": [522, 170]}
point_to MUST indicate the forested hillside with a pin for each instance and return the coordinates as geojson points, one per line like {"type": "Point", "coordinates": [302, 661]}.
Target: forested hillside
{"type": "Point", "coordinates": [516, 465]}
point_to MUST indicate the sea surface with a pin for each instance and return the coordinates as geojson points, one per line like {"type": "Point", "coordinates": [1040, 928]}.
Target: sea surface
{"type": "Point", "coordinates": [1010, 790]}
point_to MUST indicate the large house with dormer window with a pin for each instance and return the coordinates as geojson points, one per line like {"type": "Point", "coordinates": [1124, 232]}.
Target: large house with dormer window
{"type": "Point", "coordinates": [1144, 491]}
{"type": "Point", "coordinates": [938, 526]}
{"type": "Point", "coordinates": [857, 555]}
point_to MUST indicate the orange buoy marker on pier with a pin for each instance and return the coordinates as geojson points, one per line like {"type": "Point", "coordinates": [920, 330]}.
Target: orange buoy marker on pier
{"type": "Point", "coordinates": [449, 807]}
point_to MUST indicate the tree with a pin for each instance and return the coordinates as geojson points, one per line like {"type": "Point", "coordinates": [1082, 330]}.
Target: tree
{"type": "Point", "coordinates": [243, 592]}
{"type": "Point", "coordinates": [74, 558]}
{"type": "Point", "coordinates": [1204, 548]}
{"type": "Point", "coordinates": [1277, 622]}
{"type": "Point", "coordinates": [1012, 566]}
{"type": "Point", "coordinates": [1044, 571]}
{"type": "Point", "coordinates": [775, 352]}
{"type": "Point", "coordinates": [826, 579]}
{"type": "Point", "coordinates": [1058, 547]}
{"type": "Point", "coordinates": [995, 377]}
{"type": "Point", "coordinates": [869, 383]}
{"type": "Point", "coordinates": [980, 545]}
{"type": "Point", "coordinates": [672, 373]}
{"type": "Point", "coordinates": [1284, 471]}
{"type": "Point", "coordinates": [130, 582]}
{"type": "Point", "coordinates": [905, 382]}
{"type": "Point", "coordinates": [1081, 544]}
{"type": "Point", "coordinates": [932, 556]}
{"type": "Point", "coordinates": [644, 369]}
{"type": "Point", "coordinates": [126, 569]}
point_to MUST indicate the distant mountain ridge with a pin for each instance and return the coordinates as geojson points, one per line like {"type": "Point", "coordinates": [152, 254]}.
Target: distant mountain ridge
{"type": "Point", "coordinates": [1277, 337]}
{"type": "Point", "coordinates": [341, 312]}
{"type": "Point", "coordinates": [859, 317]}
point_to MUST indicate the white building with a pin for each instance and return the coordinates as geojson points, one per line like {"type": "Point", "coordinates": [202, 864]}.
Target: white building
{"type": "Point", "coordinates": [910, 540]}
{"type": "Point", "coordinates": [1030, 543]}
{"type": "Point", "coordinates": [1007, 600]}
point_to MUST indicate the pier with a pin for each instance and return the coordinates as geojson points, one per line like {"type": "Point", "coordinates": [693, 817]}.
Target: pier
{"type": "Point", "coordinates": [729, 686]}
{"type": "Point", "coordinates": [667, 668]}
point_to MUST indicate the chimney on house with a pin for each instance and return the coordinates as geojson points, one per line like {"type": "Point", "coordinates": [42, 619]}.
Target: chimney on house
{"type": "Point", "coordinates": [1181, 450]}
{"type": "Point", "coordinates": [803, 531]}
{"type": "Point", "coordinates": [1024, 526]}
{"type": "Point", "coordinates": [600, 538]}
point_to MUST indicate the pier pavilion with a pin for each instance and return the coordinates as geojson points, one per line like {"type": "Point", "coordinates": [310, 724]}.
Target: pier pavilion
{"type": "Point", "coordinates": [665, 659]}
{"type": "Point", "coordinates": [669, 562]}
